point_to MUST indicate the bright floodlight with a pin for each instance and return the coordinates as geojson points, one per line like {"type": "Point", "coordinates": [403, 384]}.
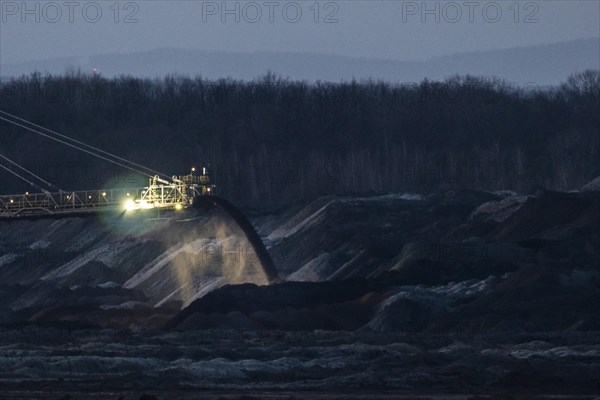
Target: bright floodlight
{"type": "Point", "coordinates": [178, 206]}
{"type": "Point", "coordinates": [130, 205]}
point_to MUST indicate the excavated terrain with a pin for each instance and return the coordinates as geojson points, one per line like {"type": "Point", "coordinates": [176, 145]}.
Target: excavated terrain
{"type": "Point", "coordinates": [448, 294]}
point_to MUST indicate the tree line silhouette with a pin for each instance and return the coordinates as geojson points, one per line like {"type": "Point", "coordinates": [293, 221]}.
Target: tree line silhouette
{"type": "Point", "coordinates": [274, 140]}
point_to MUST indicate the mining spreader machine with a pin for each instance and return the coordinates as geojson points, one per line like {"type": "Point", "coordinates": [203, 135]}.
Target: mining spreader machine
{"type": "Point", "coordinates": [162, 192]}
{"type": "Point", "coordinates": [178, 193]}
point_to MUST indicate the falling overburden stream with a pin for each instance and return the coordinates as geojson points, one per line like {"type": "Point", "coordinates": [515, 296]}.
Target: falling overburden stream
{"type": "Point", "coordinates": [354, 293]}
{"type": "Point", "coordinates": [253, 238]}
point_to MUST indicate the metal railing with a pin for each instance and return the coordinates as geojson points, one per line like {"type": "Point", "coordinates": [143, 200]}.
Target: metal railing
{"type": "Point", "coordinates": [86, 201]}
{"type": "Point", "coordinates": [65, 202]}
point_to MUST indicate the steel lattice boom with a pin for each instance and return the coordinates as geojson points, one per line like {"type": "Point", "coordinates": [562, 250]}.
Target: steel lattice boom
{"type": "Point", "coordinates": [177, 194]}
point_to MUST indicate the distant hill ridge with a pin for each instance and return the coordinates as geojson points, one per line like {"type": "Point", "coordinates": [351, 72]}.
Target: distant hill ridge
{"type": "Point", "coordinates": [538, 65]}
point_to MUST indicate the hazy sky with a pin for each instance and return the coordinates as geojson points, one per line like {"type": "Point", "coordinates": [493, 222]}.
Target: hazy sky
{"type": "Point", "coordinates": [382, 29]}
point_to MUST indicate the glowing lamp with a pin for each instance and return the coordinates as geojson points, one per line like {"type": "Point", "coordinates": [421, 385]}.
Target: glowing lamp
{"type": "Point", "coordinates": [130, 205]}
